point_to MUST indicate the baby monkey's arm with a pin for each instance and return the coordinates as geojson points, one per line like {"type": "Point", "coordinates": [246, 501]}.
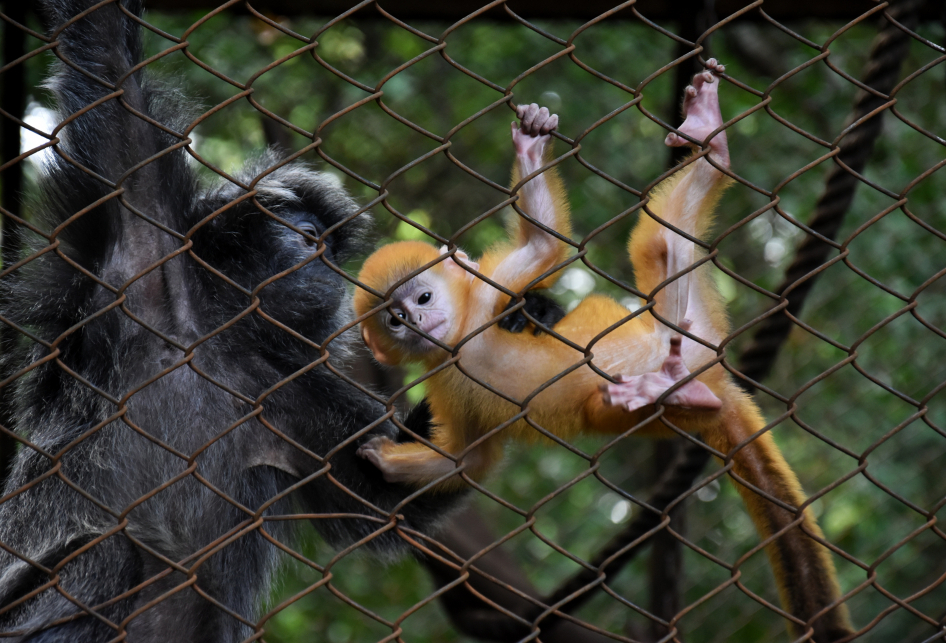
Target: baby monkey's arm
{"type": "Point", "coordinates": [542, 198]}
{"type": "Point", "coordinates": [534, 252]}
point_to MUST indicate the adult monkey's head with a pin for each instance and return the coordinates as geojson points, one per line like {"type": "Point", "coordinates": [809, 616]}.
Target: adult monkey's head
{"type": "Point", "coordinates": [286, 244]}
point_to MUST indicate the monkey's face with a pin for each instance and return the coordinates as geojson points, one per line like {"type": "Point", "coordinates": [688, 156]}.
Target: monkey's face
{"type": "Point", "coordinates": [425, 303]}
{"type": "Point", "coordinates": [285, 245]}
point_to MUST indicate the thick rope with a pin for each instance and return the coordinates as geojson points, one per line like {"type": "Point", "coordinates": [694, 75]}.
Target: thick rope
{"type": "Point", "coordinates": [889, 50]}
{"type": "Point", "coordinates": [882, 73]}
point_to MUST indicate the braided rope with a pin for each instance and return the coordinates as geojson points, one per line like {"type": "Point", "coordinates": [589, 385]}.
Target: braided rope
{"type": "Point", "coordinates": [882, 73]}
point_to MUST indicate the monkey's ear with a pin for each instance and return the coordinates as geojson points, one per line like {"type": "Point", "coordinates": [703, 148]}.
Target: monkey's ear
{"type": "Point", "coordinates": [453, 265]}
{"type": "Point", "coordinates": [375, 347]}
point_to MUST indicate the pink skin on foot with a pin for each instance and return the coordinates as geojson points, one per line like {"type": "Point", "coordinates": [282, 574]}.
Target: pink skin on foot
{"type": "Point", "coordinates": [702, 115]}
{"type": "Point", "coordinates": [636, 392]}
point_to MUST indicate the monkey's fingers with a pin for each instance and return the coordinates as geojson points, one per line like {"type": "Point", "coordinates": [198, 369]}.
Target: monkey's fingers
{"type": "Point", "coordinates": [527, 117]}
{"type": "Point", "coordinates": [541, 118]}
{"type": "Point", "coordinates": [673, 367]}
{"type": "Point", "coordinates": [372, 446]}
{"type": "Point", "coordinates": [374, 451]}
{"type": "Point", "coordinates": [543, 123]}
{"type": "Point", "coordinates": [550, 124]}
{"type": "Point", "coordinates": [709, 75]}
{"type": "Point", "coordinates": [689, 94]}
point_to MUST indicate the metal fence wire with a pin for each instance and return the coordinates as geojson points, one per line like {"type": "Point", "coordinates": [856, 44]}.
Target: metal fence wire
{"type": "Point", "coordinates": [830, 250]}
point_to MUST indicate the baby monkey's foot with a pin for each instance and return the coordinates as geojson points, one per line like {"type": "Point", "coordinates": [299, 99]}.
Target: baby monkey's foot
{"type": "Point", "coordinates": [636, 392]}
{"type": "Point", "coordinates": [701, 113]}
{"type": "Point", "coordinates": [532, 136]}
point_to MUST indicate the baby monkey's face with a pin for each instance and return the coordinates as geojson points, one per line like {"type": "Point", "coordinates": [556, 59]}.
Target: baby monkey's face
{"type": "Point", "coordinates": [423, 302]}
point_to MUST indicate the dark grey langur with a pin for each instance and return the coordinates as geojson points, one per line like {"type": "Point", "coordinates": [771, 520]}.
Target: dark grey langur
{"type": "Point", "coordinates": [134, 429]}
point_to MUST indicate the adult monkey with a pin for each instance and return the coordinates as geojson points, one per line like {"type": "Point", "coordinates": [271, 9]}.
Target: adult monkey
{"type": "Point", "coordinates": [156, 397]}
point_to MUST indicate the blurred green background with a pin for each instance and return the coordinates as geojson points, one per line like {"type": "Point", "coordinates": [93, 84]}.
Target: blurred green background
{"type": "Point", "coordinates": [909, 457]}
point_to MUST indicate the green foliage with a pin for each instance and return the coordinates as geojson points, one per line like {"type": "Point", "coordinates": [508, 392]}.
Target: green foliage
{"type": "Point", "coordinates": [867, 515]}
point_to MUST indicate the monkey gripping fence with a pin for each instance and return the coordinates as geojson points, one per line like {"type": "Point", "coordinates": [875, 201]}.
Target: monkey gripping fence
{"type": "Point", "coordinates": [515, 610]}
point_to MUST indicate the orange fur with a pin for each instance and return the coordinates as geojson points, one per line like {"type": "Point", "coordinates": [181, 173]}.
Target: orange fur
{"type": "Point", "coordinates": [521, 365]}
{"type": "Point", "coordinates": [464, 411]}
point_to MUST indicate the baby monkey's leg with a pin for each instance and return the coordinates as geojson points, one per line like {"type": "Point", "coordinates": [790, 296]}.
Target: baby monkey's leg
{"type": "Point", "coordinates": [702, 114]}
{"type": "Point", "coordinates": [638, 391]}
{"type": "Point", "coordinates": [687, 202]}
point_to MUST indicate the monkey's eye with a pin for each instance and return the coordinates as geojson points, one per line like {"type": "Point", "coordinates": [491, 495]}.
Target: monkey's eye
{"type": "Point", "coordinates": [423, 299]}
{"type": "Point", "coordinates": [310, 230]}
{"type": "Point", "coordinates": [395, 321]}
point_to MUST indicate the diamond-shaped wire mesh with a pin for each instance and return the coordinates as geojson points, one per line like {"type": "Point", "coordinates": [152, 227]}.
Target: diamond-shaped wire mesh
{"type": "Point", "coordinates": [413, 118]}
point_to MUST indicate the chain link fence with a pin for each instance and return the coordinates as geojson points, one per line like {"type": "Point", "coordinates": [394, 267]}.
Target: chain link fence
{"type": "Point", "coordinates": [830, 251]}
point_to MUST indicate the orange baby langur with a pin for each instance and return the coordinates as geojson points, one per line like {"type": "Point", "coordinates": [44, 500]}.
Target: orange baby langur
{"type": "Point", "coordinates": [447, 302]}
{"type": "Point", "coordinates": [646, 355]}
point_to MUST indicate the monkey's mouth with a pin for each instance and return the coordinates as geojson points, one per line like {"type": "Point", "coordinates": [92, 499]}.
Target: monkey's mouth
{"type": "Point", "coordinates": [437, 331]}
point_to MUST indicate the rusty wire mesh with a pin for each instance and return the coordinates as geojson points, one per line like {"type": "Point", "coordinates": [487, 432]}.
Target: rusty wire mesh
{"type": "Point", "coordinates": [555, 510]}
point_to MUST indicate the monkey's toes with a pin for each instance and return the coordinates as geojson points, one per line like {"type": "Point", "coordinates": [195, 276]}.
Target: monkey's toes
{"type": "Point", "coordinates": [694, 395]}
{"type": "Point", "coordinates": [673, 140]}
{"type": "Point", "coordinates": [702, 115]}
{"type": "Point", "coordinates": [713, 65]}
{"type": "Point", "coordinates": [707, 76]}
{"type": "Point", "coordinates": [631, 393]}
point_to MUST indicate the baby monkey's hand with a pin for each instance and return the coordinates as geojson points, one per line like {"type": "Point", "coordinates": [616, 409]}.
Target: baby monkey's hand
{"type": "Point", "coordinates": [532, 136]}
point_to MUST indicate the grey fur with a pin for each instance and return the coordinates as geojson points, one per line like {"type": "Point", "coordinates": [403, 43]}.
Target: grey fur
{"type": "Point", "coordinates": [118, 418]}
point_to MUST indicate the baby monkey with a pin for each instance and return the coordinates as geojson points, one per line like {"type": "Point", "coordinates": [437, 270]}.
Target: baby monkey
{"type": "Point", "coordinates": [449, 303]}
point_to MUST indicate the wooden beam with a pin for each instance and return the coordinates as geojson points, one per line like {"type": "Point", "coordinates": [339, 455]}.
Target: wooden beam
{"type": "Point", "coordinates": [453, 10]}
